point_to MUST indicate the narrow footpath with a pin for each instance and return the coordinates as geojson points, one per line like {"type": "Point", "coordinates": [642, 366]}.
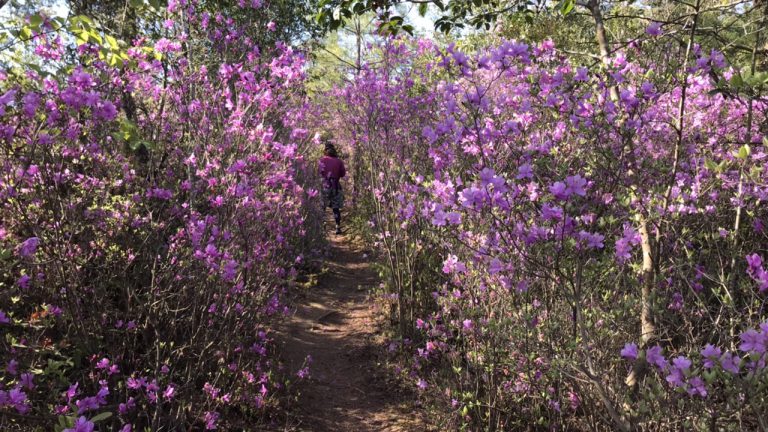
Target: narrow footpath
{"type": "Point", "coordinates": [335, 323]}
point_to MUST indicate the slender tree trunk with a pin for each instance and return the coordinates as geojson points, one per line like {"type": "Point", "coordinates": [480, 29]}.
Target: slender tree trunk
{"type": "Point", "coordinates": [602, 40]}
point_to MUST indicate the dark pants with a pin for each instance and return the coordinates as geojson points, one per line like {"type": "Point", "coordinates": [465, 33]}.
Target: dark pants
{"type": "Point", "coordinates": [333, 197]}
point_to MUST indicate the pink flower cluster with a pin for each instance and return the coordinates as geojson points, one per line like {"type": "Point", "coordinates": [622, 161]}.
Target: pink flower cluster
{"type": "Point", "coordinates": [516, 199]}
{"type": "Point", "coordinates": [152, 214]}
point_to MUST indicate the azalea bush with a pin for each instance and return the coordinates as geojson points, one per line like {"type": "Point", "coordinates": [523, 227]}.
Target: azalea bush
{"type": "Point", "coordinates": [155, 203]}
{"type": "Point", "coordinates": [566, 247]}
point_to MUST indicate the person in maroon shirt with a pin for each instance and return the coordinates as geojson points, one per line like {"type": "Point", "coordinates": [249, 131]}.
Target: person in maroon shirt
{"type": "Point", "coordinates": [331, 170]}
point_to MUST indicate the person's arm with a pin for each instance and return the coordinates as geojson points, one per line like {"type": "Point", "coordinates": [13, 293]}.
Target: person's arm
{"type": "Point", "coordinates": [343, 169]}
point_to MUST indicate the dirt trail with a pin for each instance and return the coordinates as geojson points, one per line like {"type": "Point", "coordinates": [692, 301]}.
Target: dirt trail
{"type": "Point", "coordinates": [335, 324]}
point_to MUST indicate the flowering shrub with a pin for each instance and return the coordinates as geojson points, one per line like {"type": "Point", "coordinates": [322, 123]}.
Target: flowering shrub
{"type": "Point", "coordinates": [535, 216]}
{"type": "Point", "coordinates": [153, 207]}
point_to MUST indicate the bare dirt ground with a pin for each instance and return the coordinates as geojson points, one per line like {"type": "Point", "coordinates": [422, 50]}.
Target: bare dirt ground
{"type": "Point", "coordinates": [336, 324]}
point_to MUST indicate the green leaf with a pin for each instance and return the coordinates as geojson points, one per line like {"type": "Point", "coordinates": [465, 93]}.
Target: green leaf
{"type": "Point", "coordinates": [81, 38]}
{"type": "Point", "coordinates": [359, 8]}
{"type": "Point", "coordinates": [35, 20]}
{"type": "Point", "coordinates": [58, 23]}
{"type": "Point", "coordinates": [566, 6]}
{"type": "Point", "coordinates": [80, 23]}
{"type": "Point", "coordinates": [101, 417]}
{"type": "Point", "coordinates": [743, 152]}
{"type": "Point", "coordinates": [95, 36]}
{"type": "Point", "coordinates": [737, 81]}
{"type": "Point", "coordinates": [423, 8]}
{"type": "Point", "coordinates": [128, 131]}
{"type": "Point", "coordinates": [25, 33]}
{"type": "Point", "coordinates": [137, 3]}
{"type": "Point", "coordinates": [85, 20]}
{"type": "Point", "coordinates": [112, 42]}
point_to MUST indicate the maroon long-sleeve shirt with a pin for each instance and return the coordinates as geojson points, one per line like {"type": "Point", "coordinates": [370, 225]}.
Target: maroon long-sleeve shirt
{"type": "Point", "coordinates": [331, 170]}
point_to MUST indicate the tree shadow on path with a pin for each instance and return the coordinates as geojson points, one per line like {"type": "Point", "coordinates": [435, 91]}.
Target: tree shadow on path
{"type": "Point", "coordinates": [335, 323]}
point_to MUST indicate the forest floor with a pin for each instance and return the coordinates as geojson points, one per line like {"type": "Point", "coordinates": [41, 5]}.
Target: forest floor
{"type": "Point", "coordinates": [336, 323]}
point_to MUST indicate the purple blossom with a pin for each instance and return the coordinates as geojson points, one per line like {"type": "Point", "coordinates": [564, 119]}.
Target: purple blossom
{"type": "Point", "coordinates": [27, 380]}
{"type": "Point", "coordinates": [654, 29]}
{"type": "Point", "coordinates": [210, 419]}
{"type": "Point", "coordinates": [592, 241]}
{"type": "Point", "coordinates": [6, 99]}
{"type": "Point", "coordinates": [28, 247]}
{"type": "Point", "coordinates": [549, 212]}
{"type": "Point", "coordinates": [624, 245]}
{"type": "Point", "coordinates": [582, 74]}
{"type": "Point", "coordinates": [81, 425]}
{"type": "Point", "coordinates": [573, 185]}
{"type": "Point", "coordinates": [165, 46]}
{"type": "Point", "coordinates": [86, 404]}
{"type": "Point", "coordinates": [129, 405]}
{"type": "Point", "coordinates": [753, 341]}
{"type": "Point", "coordinates": [453, 265]}
{"type": "Point", "coordinates": [105, 111]}
{"type": "Point", "coordinates": [754, 263]}
{"type": "Point", "coordinates": [574, 400]}
{"type": "Point", "coordinates": [675, 378]}
{"type": "Point", "coordinates": [677, 302]}
{"type": "Point", "coordinates": [101, 395]}
{"type": "Point", "coordinates": [24, 281]}
{"type": "Point", "coordinates": [629, 351]}
{"type": "Point", "coordinates": [71, 392]}
{"type": "Point", "coordinates": [12, 367]}
{"type": "Point", "coordinates": [303, 373]}
{"type": "Point", "coordinates": [495, 266]}
{"type": "Point", "coordinates": [654, 356]}
{"type": "Point", "coordinates": [730, 362]}
{"type": "Point", "coordinates": [18, 399]}
{"type": "Point", "coordinates": [134, 384]}
{"type": "Point", "coordinates": [524, 171]}
{"type": "Point", "coordinates": [169, 392]}
{"type": "Point", "coordinates": [696, 386]}
{"type": "Point", "coordinates": [681, 363]}
{"type": "Point", "coordinates": [558, 190]}
{"type": "Point", "coordinates": [710, 354]}
{"type": "Point", "coordinates": [30, 102]}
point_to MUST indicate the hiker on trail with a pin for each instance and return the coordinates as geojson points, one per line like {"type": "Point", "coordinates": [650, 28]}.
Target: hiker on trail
{"type": "Point", "coordinates": [332, 170]}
